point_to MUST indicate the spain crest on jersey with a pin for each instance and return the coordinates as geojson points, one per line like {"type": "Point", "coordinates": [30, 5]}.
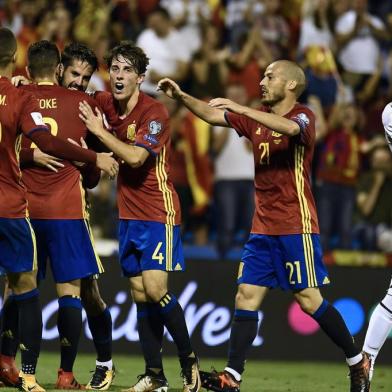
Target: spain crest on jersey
{"type": "Point", "coordinates": [131, 132]}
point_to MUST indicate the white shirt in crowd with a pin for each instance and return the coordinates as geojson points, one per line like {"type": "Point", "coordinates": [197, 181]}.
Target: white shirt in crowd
{"type": "Point", "coordinates": [235, 161]}
{"type": "Point", "coordinates": [164, 53]}
{"type": "Point", "coordinates": [190, 32]}
{"type": "Point", "coordinates": [311, 35]}
{"type": "Point", "coordinates": [361, 53]}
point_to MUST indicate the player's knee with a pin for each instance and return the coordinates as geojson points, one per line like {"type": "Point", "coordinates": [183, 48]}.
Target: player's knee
{"type": "Point", "coordinates": [308, 304]}
{"type": "Point", "coordinates": [245, 299]}
{"type": "Point", "coordinates": [22, 282]}
{"type": "Point", "coordinates": [155, 293]}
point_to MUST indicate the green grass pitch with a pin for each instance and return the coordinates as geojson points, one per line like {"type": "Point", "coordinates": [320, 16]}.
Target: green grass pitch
{"type": "Point", "coordinates": [260, 376]}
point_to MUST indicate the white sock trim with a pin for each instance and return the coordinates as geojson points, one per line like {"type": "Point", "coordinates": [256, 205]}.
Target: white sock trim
{"type": "Point", "coordinates": [108, 364]}
{"type": "Point", "coordinates": [234, 373]}
{"type": "Point", "coordinates": [354, 360]}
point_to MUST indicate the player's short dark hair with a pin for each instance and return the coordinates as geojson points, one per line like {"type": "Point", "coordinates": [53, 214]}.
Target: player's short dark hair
{"type": "Point", "coordinates": [81, 52]}
{"type": "Point", "coordinates": [42, 58]}
{"type": "Point", "coordinates": [7, 46]}
{"type": "Point", "coordinates": [132, 53]}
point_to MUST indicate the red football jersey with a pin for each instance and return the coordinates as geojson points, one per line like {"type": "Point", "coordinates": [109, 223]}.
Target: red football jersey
{"type": "Point", "coordinates": [144, 193]}
{"type": "Point", "coordinates": [284, 200]}
{"type": "Point", "coordinates": [57, 195]}
{"type": "Point", "coordinates": [19, 113]}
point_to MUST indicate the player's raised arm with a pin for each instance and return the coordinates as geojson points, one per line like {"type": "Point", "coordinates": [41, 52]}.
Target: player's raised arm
{"type": "Point", "coordinates": [269, 120]}
{"type": "Point", "coordinates": [200, 108]}
{"type": "Point", "coordinates": [134, 156]}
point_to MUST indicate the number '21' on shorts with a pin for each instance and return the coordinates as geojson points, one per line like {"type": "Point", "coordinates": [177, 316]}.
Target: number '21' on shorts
{"type": "Point", "coordinates": [290, 262]}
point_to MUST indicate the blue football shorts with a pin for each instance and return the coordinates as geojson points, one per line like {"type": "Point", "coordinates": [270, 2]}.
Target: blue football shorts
{"type": "Point", "coordinates": [69, 246]}
{"type": "Point", "coordinates": [291, 262]}
{"type": "Point", "coordinates": [18, 250]}
{"type": "Point", "coordinates": [147, 245]}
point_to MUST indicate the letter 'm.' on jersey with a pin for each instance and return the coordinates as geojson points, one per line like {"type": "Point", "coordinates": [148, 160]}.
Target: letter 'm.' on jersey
{"type": "Point", "coordinates": [58, 195]}
{"type": "Point", "coordinates": [144, 193]}
{"type": "Point", "coordinates": [19, 114]}
{"type": "Point", "coordinates": [284, 200]}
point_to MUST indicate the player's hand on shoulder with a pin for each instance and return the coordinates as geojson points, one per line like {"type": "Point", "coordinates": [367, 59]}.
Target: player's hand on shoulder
{"type": "Point", "coordinates": [169, 87]}
{"type": "Point", "coordinates": [107, 163]}
{"type": "Point", "coordinates": [45, 160]}
{"type": "Point", "coordinates": [226, 104]}
{"type": "Point", "coordinates": [83, 145]}
{"type": "Point", "coordinates": [92, 119]}
{"type": "Point", "coordinates": [20, 80]}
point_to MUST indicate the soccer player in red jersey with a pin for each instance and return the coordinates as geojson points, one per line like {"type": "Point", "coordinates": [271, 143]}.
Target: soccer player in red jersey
{"type": "Point", "coordinates": [61, 222]}
{"type": "Point", "coordinates": [19, 114]}
{"type": "Point", "coordinates": [283, 249]}
{"type": "Point", "coordinates": [149, 232]}
{"type": "Point", "coordinates": [78, 65]}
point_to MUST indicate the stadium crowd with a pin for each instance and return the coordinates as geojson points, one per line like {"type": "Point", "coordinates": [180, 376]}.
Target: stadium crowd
{"type": "Point", "coordinates": [220, 48]}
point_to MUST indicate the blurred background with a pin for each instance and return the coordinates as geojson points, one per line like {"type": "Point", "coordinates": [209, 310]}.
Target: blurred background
{"type": "Point", "coordinates": [221, 48]}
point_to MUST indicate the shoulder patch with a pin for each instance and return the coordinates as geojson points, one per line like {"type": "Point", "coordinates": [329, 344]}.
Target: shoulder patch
{"type": "Point", "coordinates": [303, 117]}
{"type": "Point", "coordinates": [154, 127]}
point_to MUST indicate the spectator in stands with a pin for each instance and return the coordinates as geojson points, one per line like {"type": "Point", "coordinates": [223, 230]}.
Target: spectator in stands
{"type": "Point", "coordinates": [209, 70]}
{"type": "Point", "coordinates": [249, 62]}
{"type": "Point", "coordinates": [316, 26]}
{"type": "Point", "coordinates": [337, 174]}
{"type": "Point", "coordinates": [234, 175]}
{"type": "Point", "coordinates": [374, 195]}
{"type": "Point", "coordinates": [189, 17]}
{"type": "Point", "coordinates": [358, 34]}
{"type": "Point", "coordinates": [169, 54]}
{"type": "Point", "coordinates": [236, 21]}
{"type": "Point", "coordinates": [321, 75]}
{"type": "Point", "coordinates": [273, 29]}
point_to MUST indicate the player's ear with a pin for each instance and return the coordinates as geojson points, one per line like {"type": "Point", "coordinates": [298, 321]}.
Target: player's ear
{"type": "Point", "coordinates": [140, 78]}
{"type": "Point", "coordinates": [28, 73]}
{"type": "Point", "coordinates": [60, 71]}
{"type": "Point", "coordinates": [291, 85]}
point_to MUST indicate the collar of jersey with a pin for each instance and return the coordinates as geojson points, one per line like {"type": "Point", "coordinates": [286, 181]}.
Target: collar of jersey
{"type": "Point", "coordinates": [45, 84]}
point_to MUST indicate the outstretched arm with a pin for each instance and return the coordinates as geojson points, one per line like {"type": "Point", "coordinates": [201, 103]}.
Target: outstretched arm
{"type": "Point", "coordinates": [200, 108]}
{"type": "Point", "coordinates": [270, 120]}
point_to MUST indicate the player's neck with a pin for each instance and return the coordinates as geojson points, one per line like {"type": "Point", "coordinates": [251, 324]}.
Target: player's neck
{"type": "Point", "coordinates": [6, 72]}
{"type": "Point", "coordinates": [126, 106]}
{"type": "Point", "coordinates": [46, 80]}
{"type": "Point", "coordinates": [283, 107]}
